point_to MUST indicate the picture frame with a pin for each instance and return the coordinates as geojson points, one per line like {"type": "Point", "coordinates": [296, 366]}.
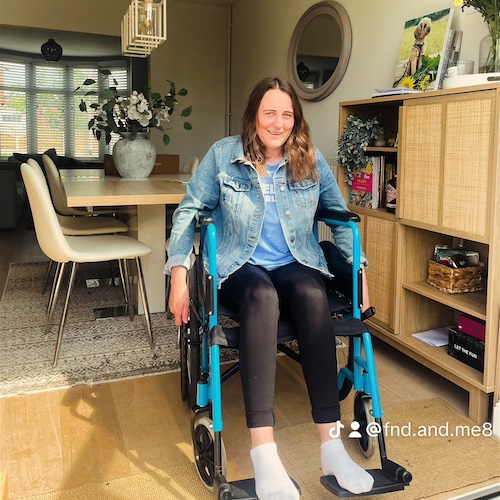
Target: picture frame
{"type": "Point", "coordinates": [423, 51]}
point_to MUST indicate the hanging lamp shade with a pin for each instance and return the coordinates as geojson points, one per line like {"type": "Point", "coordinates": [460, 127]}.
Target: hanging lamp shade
{"type": "Point", "coordinates": [144, 27]}
{"type": "Point", "coordinates": [302, 71]}
{"type": "Point", "coordinates": [51, 50]}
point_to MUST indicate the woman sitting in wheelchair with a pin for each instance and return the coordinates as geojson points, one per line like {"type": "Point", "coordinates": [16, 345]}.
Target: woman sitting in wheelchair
{"type": "Point", "coordinates": [264, 188]}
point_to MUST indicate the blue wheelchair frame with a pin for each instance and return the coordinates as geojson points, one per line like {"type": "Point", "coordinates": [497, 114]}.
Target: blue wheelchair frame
{"type": "Point", "coordinates": [362, 376]}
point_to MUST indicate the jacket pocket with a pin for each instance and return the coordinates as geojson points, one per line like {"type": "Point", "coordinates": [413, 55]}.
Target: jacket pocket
{"type": "Point", "coordinates": [305, 194]}
{"type": "Point", "coordinates": [234, 193]}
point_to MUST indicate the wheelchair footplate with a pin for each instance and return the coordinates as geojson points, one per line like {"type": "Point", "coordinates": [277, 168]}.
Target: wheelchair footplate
{"type": "Point", "coordinates": [392, 477]}
{"type": "Point", "coordinates": [244, 489]}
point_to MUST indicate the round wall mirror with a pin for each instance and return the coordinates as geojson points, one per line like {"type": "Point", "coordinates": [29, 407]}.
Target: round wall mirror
{"type": "Point", "coordinates": [319, 50]}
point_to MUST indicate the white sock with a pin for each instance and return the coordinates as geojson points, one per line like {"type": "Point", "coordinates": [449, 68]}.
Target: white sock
{"type": "Point", "coordinates": [271, 480]}
{"type": "Point", "coordinates": [336, 462]}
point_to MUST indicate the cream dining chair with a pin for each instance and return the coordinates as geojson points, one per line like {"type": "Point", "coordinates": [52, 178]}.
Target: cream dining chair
{"type": "Point", "coordinates": [78, 249]}
{"type": "Point", "coordinates": [190, 165]}
{"type": "Point", "coordinates": [81, 226]}
{"type": "Point", "coordinates": [59, 196]}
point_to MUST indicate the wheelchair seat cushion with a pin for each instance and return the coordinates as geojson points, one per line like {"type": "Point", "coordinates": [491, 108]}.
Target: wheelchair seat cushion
{"type": "Point", "coordinates": [226, 334]}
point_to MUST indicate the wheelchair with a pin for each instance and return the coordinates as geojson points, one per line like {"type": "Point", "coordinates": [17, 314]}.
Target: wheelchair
{"type": "Point", "coordinates": [203, 338]}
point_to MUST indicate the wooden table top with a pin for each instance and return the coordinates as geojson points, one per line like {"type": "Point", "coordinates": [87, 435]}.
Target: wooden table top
{"type": "Point", "coordinates": [159, 189]}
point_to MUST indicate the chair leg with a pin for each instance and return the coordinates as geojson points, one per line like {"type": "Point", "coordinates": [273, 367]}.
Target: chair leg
{"type": "Point", "coordinates": [122, 277]}
{"type": "Point", "coordinates": [144, 297]}
{"type": "Point", "coordinates": [167, 297]}
{"type": "Point", "coordinates": [53, 287]}
{"type": "Point", "coordinates": [128, 290]}
{"type": "Point", "coordinates": [65, 312]}
{"type": "Point", "coordinates": [47, 276]}
{"type": "Point", "coordinates": [56, 285]}
{"type": "Point", "coordinates": [111, 272]}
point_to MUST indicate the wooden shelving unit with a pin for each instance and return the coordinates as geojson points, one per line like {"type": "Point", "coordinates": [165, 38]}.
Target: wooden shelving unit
{"type": "Point", "coordinates": [448, 187]}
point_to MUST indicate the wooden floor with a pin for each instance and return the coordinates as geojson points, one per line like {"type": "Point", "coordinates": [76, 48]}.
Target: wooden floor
{"type": "Point", "coordinates": [61, 439]}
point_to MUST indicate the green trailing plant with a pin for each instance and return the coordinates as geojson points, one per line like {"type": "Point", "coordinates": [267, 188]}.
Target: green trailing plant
{"type": "Point", "coordinates": [358, 134]}
{"type": "Point", "coordinates": [138, 112]}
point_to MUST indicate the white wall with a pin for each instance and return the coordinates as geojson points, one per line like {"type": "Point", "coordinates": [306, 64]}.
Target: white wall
{"type": "Point", "coordinates": [90, 16]}
{"type": "Point", "coordinates": [262, 31]}
{"type": "Point", "coordinates": [195, 54]}
{"type": "Point", "coordinates": [194, 57]}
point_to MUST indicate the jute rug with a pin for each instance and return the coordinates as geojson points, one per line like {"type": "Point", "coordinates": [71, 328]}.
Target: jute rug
{"type": "Point", "coordinates": [442, 459]}
{"type": "Point", "coordinates": [91, 351]}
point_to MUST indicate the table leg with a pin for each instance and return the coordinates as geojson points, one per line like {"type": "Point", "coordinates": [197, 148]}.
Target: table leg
{"type": "Point", "coordinates": [151, 231]}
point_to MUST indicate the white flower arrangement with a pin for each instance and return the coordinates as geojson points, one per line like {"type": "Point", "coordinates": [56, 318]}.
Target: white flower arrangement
{"type": "Point", "coordinates": [138, 112]}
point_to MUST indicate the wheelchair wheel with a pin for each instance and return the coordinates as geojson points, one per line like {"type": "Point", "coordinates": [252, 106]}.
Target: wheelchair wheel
{"type": "Point", "coordinates": [193, 344]}
{"type": "Point", "coordinates": [204, 454]}
{"type": "Point", "coordinates": [363, 415]}
{"type": "Point", "coordinates": [345, 359]}
{"type": "Point", "coordinates": [189, 342]}
{"type": "Point", "coordinates": [183, 347]}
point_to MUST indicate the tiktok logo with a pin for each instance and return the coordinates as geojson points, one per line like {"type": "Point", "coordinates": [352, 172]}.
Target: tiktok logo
{"type": "Point", "coordinates": [334, 431]}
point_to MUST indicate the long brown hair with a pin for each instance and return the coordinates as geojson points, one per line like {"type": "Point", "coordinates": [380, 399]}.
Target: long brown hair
{"type": "Point", "coordinates": [298, 149]}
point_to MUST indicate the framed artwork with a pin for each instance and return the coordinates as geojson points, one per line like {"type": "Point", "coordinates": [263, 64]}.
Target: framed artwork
{"type": "Point", "coordinates": [422, 55]}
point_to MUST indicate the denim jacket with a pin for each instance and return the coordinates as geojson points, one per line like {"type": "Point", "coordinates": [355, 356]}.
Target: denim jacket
{"type": "Point", "coordinates": [228, 185]}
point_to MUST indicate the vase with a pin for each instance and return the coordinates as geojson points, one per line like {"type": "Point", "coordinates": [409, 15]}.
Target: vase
{"type": "Point", "coordinates": [134, 159]}
{"type": "Point", "coordinates": [489, 55]}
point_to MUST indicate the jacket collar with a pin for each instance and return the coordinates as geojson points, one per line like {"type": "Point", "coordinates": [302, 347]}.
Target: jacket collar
{"type": "Point", "coordinates": [238, 155]}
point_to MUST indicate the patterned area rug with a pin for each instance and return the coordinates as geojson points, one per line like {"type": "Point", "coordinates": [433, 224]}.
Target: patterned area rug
{"type": "Point", "coordinates": [91, 350]}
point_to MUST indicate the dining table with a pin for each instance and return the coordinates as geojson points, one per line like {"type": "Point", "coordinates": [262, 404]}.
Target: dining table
{"type": "Point", "coordinates": [151, 196]}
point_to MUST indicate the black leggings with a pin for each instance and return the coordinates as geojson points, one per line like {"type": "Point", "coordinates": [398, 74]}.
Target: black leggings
{"type": "Point", "coordinates": [299, 292]}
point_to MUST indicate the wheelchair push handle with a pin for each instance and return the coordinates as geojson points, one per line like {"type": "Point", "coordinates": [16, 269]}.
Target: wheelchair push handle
{"type": "Point", "coordinates": [349, 220]}
{"type": "Point", "coordinates": [205, 217]}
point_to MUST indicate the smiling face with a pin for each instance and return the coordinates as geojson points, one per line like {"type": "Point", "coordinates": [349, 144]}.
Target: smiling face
{"type": "Point", "coordinates": [274, 123]}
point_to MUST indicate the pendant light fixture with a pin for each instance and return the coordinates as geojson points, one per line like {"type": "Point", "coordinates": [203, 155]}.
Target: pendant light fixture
{"type": "Point", "coordinates": [51, 50]}
{"type": "Point", "coordinates": [302, 71]}
{"type": "Point", "coordinates": [144, 27]}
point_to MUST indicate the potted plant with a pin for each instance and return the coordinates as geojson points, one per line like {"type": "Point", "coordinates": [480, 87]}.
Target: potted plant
{"type": "Point", "coordinates": [358, 134]}
{"type": "Point", "coordinates": [132, 118]}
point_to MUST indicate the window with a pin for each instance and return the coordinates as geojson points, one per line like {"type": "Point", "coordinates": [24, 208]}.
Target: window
{"type": "Point", "coordinates": [39, 106]}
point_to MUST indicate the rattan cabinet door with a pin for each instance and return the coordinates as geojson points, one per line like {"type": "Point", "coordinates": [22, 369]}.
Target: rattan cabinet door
{"type": "Point", "coordinates": [467, 165]}
{"type": "Point", "coordinates": [380, 248]}
{"type": "Point", "coordinates": [420, 162]}
{"type": "Point", "coordinates": [446, 163]}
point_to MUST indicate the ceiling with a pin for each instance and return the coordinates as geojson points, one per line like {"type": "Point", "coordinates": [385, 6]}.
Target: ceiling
{"type": "Point", "coordinates": [29, 40]}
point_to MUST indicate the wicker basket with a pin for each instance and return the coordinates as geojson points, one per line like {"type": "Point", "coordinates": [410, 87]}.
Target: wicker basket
{"type": "Point", "coordinates": [450, 280]}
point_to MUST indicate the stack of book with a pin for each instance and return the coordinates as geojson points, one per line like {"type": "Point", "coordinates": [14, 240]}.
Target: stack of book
{"type": "Point", "coordinates": [369, 183]}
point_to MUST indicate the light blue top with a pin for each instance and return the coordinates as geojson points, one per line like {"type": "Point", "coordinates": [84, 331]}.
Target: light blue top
{"type": "Point", "coordinates": [272, 250]}
{"type": "Point", "coordinates": [229, 186]}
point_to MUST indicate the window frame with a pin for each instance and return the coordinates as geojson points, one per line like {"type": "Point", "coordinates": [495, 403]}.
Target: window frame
{"type": "Point", "coordinates": [70, 96]}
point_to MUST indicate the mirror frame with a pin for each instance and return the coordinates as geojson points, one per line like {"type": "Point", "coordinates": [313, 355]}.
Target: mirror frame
{"type": "Point", "coordinates": [338, 12]}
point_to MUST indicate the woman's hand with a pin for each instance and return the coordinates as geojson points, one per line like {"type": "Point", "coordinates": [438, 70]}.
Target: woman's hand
{"type": "Point", "coordinates": [179, 295]}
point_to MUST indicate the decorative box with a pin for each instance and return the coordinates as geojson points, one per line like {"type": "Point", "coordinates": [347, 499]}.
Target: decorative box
{"type": "Point", "coordinates": [466, 349]}
{"type": "Point", "coordinates": [472, 326]}
{"type": "Point", "coordinates": [452, 280]}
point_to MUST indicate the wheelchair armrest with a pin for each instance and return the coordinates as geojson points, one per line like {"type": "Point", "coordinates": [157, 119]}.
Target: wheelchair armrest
{"type": "Point", "coordinates": [339, 216]}
{"type": "Point", "coordinates": [205, 217]}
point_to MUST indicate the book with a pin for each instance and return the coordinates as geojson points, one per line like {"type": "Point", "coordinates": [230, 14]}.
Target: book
{"type": "Point", "coordinates": [365, 187]}
{"type": "Point", "coordinates": [451, 53]}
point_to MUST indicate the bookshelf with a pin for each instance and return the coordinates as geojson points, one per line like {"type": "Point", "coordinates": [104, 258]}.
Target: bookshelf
{"type": "Point", "coordinates": [447, 159]}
